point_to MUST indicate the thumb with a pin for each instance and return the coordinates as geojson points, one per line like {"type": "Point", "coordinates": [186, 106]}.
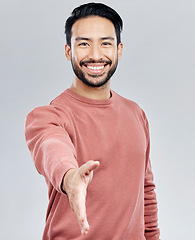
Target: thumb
{"type": "Point", "coordinates": [89, 166]}
{"type": "Point", "coordinates": [86, 170]}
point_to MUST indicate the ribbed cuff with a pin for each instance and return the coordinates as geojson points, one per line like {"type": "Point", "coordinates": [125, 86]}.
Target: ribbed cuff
{"type": "Point", "coordinates": [59, 172]}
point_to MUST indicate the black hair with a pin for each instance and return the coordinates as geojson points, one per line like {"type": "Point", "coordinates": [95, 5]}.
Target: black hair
{"type": "Point", "coordinates": [94, 9]}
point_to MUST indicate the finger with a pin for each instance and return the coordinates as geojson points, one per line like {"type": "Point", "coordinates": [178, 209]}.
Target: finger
{"type": "Point", "coordinates": [80, 212]}
{"type": "Point", "coordinates": [89, 166]}
{"type": "Point", "coordinates": [85, 228]}
{"type": "Point", "coordinates": [83, 223]}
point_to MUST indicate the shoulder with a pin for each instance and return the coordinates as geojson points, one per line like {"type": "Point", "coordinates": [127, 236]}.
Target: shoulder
{"type": "Point", "coordinates": [134, 108]}
{"type": "Point", "coordinates": [56, 111]}
{"type": "Point", "coordinates": [126, 103]}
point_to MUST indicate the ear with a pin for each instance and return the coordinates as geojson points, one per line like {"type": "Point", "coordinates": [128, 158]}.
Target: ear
{"type": "Point", "coordinates": [68, 52]}
{"type": "Point", "coordinates": [120, 50]}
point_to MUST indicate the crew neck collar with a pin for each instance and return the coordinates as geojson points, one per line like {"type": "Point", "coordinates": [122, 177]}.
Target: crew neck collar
{"type": "Point", "coordinates": [83, 99]}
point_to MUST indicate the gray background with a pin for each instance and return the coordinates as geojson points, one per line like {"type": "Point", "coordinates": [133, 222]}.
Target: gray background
{"type": "Point", "coordinates": [157, 71]}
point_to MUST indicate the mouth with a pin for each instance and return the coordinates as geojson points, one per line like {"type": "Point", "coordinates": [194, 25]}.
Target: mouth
{"type": "Point", "coordinates": [96, 68]}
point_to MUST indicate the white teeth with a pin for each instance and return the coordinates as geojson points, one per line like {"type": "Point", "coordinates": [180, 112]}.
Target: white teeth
{"type": "Point", "coordinates": [95, 68]}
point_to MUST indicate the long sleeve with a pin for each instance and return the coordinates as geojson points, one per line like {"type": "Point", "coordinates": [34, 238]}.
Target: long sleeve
{"type": "Point", "coordinates": [50, 144]}
{"type": "Point", "coordinates": [150, 207]}
{"type": "Point", "coordinates": [150, 203]}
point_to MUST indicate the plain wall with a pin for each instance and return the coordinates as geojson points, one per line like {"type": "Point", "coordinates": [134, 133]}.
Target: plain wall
{"type": "Point", "coordinates": [157, 71]}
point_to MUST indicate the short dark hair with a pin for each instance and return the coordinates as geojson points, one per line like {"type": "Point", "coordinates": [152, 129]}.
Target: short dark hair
{"type": "Point", "coordinates": [94, 9]}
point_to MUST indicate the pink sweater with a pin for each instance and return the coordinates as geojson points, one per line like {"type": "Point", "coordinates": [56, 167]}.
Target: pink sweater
{"type": "Point", "coordinates": [121, 202]}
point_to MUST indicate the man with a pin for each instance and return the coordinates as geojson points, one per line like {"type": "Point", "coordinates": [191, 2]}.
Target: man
{"type": "Point", "coordinates": [89, 129]}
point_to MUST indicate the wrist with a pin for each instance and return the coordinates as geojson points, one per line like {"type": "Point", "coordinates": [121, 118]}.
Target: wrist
{"type": "Point", "coordinates": [66, 180]}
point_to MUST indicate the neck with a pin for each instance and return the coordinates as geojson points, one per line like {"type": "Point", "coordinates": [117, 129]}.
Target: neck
{"type": "Point", "coordinates": [82, 89]}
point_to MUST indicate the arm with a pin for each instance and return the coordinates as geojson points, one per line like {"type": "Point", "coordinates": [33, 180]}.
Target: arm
{"type": "Point", "coordinates": [54, 156]}
{"type": "Point", "coordinates": [150, 203]}
{"type": "Point", "coordinates": [50, 144]}
{"type": "Point", "coordinates": [150, 207]}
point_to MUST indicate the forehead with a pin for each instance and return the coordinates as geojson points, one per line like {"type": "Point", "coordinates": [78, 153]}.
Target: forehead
{"type": "Point", "coordinates": [93, 27]}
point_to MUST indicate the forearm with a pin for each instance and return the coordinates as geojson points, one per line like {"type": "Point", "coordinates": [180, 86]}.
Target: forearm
{"type": "Point", "coordinates": [150, 207]}
{"type": "Point", "coordinates": [151, 215]}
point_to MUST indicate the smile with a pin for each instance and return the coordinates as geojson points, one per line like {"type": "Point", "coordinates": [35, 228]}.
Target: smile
{"type": "Point", "coordinates": [95, 67]}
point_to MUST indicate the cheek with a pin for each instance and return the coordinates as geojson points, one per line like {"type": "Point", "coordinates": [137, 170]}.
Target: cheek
{"type": "Point", "coordinates": [75, 53]}
{"type": "Point", "coordinates": [79, 55]}
{"type": "Point", "coordinates": [111, 54]}
{"type": "Point", "coordinates": [75, 59]}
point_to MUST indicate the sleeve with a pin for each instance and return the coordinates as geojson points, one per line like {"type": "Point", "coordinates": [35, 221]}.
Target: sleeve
{"type": "Point", "coordinates": [150, 207]}
{"type": "Point", "coordinates": [50, 144]}
{"type": "Point", "coordinates": [152, 231]}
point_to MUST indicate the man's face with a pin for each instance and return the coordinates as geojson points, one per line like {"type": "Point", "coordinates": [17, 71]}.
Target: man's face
{"type": "Point", "coordinates": [94, 53]}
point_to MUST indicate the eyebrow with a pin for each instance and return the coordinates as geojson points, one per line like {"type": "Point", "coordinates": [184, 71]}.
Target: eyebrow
{"type": "Point", "coordinates": [89, 39]}
{"type": "Point", "coordinates": [82, 38]}
{"type": "Point", "coordinates": [107, 38]}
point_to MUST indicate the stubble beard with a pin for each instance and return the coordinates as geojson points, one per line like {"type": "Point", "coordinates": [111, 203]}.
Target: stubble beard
{"type": "Point", "coordinates": [80, 75]}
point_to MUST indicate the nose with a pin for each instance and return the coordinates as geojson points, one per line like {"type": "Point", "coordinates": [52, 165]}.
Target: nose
{"type": "Point", "coordinates": [95, 53]}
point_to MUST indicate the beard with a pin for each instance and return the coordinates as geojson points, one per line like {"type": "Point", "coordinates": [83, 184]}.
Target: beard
{"type": "Point", "coordinates": [80, 75]}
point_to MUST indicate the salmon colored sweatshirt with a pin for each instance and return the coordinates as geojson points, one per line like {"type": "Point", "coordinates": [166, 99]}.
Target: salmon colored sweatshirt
{"type": "Point", "coordinates": [121, 202]}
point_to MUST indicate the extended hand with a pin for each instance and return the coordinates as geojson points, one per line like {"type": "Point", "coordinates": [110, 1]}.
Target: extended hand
{"type": "Point", "coordinates": [75, 184]}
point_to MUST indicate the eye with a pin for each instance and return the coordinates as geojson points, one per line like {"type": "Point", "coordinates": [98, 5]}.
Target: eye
{"type": "Point", "coordinates": [106, 44]}
{"type": "Point", "coordinates": [83, 44]}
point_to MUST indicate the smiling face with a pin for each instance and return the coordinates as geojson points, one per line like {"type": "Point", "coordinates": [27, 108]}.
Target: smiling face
{"type": "Point", "coordinates": [94, 53]}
